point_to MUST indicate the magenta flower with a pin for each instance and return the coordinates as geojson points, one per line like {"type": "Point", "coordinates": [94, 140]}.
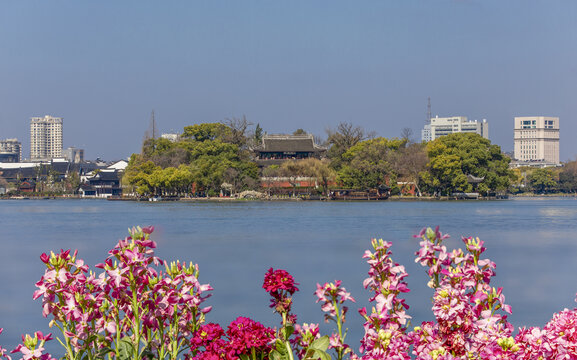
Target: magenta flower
{"type": "Point", "coordinates": [205, 335]}
{"type": "Point", "coordinates": [245, 334]}
{"type": "Point", "coordinates": [277, 280]}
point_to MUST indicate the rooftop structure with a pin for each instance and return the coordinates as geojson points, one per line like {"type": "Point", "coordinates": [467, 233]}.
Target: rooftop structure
{"type": "Point", "coordinates": [275, 149]}
{"type": "Point", "coordinates": [45, 138]}
{"type": "Point", "coordinates": [537, 140]}
{"type": "Point", "coordinates": [440, 126]}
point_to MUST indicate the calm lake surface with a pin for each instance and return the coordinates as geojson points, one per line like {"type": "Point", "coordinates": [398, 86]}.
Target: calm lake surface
{"type": "Point", "coordinates": [532, 241]}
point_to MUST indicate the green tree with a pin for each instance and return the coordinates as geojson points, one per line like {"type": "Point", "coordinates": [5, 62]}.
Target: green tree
{"type": "Point", "coordinates": [542, 180]}
{"type": "Point", "coordinates": [320, 170]}
{"type": "Point", "coordinates": [453, 157]}
{"type": "Point", "coordinates": [367, 164]}
{"type": "Point", "coordinates": [258, 134]}
{"type": "Point", "coordinates": [137, 175]}
{"type": "Point", "coordinates": [206, 131]}
{"type": "Point", "coordinates": [206, 155]}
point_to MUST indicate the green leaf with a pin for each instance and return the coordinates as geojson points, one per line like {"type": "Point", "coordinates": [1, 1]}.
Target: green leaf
{"type": "Point", "coordinates": [321, 343]}
{"type": "Point", "coordinates": [275, 355]}
{"type": "Point", "coordinates": [125, 349]}
{"type": "Point", "coordinates": [322, 355]}
{"type": "Point", "coordinates": [244, 357]}
{"type": "Point", "coordinates": [313, 354]}
{"type": "Point", "coordinates": [289, 331]}
{"type": "Point", "coordinates": [281, 352]}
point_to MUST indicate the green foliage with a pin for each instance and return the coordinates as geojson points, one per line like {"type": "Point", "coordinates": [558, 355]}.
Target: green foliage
{"type": "Point", "coordinates": [206, 156]}
{"type": "Point", "coordinates": [367, 164]}
{"type": "Point", "coordinates": [258, 133]}
{"type": "Point", "coordinates": [453, 157]}
{"type": "Point", "coordinates": [568, 177]}
{"type": "Point", "coordinates": [206, 131]}
{"type": "Point", "coordinates": [316, 350]}
{"type": "Point", "coordinates": [542, 180]}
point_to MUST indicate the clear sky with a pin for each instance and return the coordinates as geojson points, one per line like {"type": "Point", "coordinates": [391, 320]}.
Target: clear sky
{"type": "Point", "coordinates": [105, 65]}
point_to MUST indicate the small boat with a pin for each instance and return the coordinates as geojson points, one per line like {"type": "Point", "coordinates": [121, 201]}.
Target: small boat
{"type": "Point", "coordinates": [380, 193]}
{"type": "Point", "coordinates": [465, 196]}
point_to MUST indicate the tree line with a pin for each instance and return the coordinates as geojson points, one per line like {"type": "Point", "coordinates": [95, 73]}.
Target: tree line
{"type": "Point", "coordinates": [213, 157]}
{"type": "Point", "coordinates": [546, 180]}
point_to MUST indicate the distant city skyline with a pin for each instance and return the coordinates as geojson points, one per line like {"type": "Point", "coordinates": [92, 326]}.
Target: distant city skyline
{"type": "Point", "coordinates": [104, 66]}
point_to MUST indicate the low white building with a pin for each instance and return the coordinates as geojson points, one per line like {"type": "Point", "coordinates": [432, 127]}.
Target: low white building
{"type": "Point", "coordinates": [10, 150]}
{"type": "Point", "coordinates": [441, 126]}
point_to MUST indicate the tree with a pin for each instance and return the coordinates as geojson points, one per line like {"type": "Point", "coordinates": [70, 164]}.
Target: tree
{"type": "Point", "coordinates": [311, 168]}
{"type": "Point", "coordinates": [542, 180]}
{"type": "Point", "coordinates": [568, 177]}
{"type": "Point", "coordinates": [299, 132]}
{"type": "Point", "coordinates": [320, 170]}
{"type": "Point", "coordinates": [342, 139]}
{"type": "Point", "coordinates": [291, 170]}
{"type": "Point", "coordinates": [409, 162]}
{"type": "Point", "coordinates": [137, 175]}
{"type": "Point", "coordinates": [238, 128]}
{"type": "Point", "coordinates": [407, 134]}
{"type": "Point", "coordinates": [453, 157]}
{"type": "Point", "coordinates": [367, 164]}
{"type": "Point", "coordinates": [258, 133]}
{"type": "Point", "coordinates": [206, 131]}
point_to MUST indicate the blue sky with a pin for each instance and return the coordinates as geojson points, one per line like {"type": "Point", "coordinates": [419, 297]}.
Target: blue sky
{"type": "Point", "coordinates": [105, 65]}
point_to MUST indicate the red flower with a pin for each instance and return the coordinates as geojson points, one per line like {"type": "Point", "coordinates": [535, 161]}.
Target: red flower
{"type": "Point", "coordinates": [279, 280]}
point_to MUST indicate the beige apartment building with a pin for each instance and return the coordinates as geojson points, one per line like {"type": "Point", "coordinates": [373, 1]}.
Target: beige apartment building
{"type": "Point", "coordinates": [537, 139]}
{"type": "Point", "coordinates": [45, 138]}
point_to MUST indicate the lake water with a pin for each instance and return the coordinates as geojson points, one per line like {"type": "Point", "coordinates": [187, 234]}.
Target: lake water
{"type": "Point", "coordinates": [532, 241]}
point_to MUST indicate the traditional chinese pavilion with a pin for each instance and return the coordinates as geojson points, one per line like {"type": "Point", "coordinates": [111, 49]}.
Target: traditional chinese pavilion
{"type": "Point", "coordinates": [275, 149]}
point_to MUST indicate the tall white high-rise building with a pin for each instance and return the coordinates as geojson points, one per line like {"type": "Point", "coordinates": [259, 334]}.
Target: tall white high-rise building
{"type": "Point", "coordinates": [537, 139]}
{"type": "Point", "coordinates": [45, 137]}
{"type": "Point", "coordinates": [440, 126]}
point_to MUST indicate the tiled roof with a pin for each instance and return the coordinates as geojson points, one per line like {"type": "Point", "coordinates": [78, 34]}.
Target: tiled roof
{"type": "Point", "coordinates": [288, 143]}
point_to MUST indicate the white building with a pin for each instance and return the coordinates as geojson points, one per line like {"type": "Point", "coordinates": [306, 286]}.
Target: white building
{"type": "Point", "coordinates": [537, 139]}
{"type": "Point", "coordinates": [455, 124]}
{"type": "Point", "coordinates": [74, 155]}
{"type": "Point", "coordinates": [10, 150]}
{"type": "Point", "coordinates": [171, 136]}
{"type": "Point", "coordinates": [45, 138]}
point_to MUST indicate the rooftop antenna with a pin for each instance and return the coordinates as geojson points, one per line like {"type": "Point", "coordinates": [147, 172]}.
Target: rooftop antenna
{"type": "Point", "coordinates": [429, 110]}
{"type": "Point", "coordinates": [153, 125]}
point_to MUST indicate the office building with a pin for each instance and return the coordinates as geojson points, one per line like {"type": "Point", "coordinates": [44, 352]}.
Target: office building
{"type": "Point", "coordinates": [45, 138]}
{"type": "Point", "coordinates": [10, 150]}
{"type": "Point", "coordinates": [537, 139]}
{"type": "Point", "coordinates": [440, 126]}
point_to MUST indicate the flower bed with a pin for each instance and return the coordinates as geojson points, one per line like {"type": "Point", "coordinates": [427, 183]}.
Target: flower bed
{"type": "Point", "coordinates": [139, 307]}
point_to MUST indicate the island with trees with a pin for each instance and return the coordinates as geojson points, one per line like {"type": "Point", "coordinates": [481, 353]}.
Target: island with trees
{"type": "Point", "coordinates": [235, 159]}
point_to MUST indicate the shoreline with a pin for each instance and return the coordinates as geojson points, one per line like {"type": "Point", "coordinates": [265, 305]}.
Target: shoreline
{"type": "Point", "coordinates": [394, 198]}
